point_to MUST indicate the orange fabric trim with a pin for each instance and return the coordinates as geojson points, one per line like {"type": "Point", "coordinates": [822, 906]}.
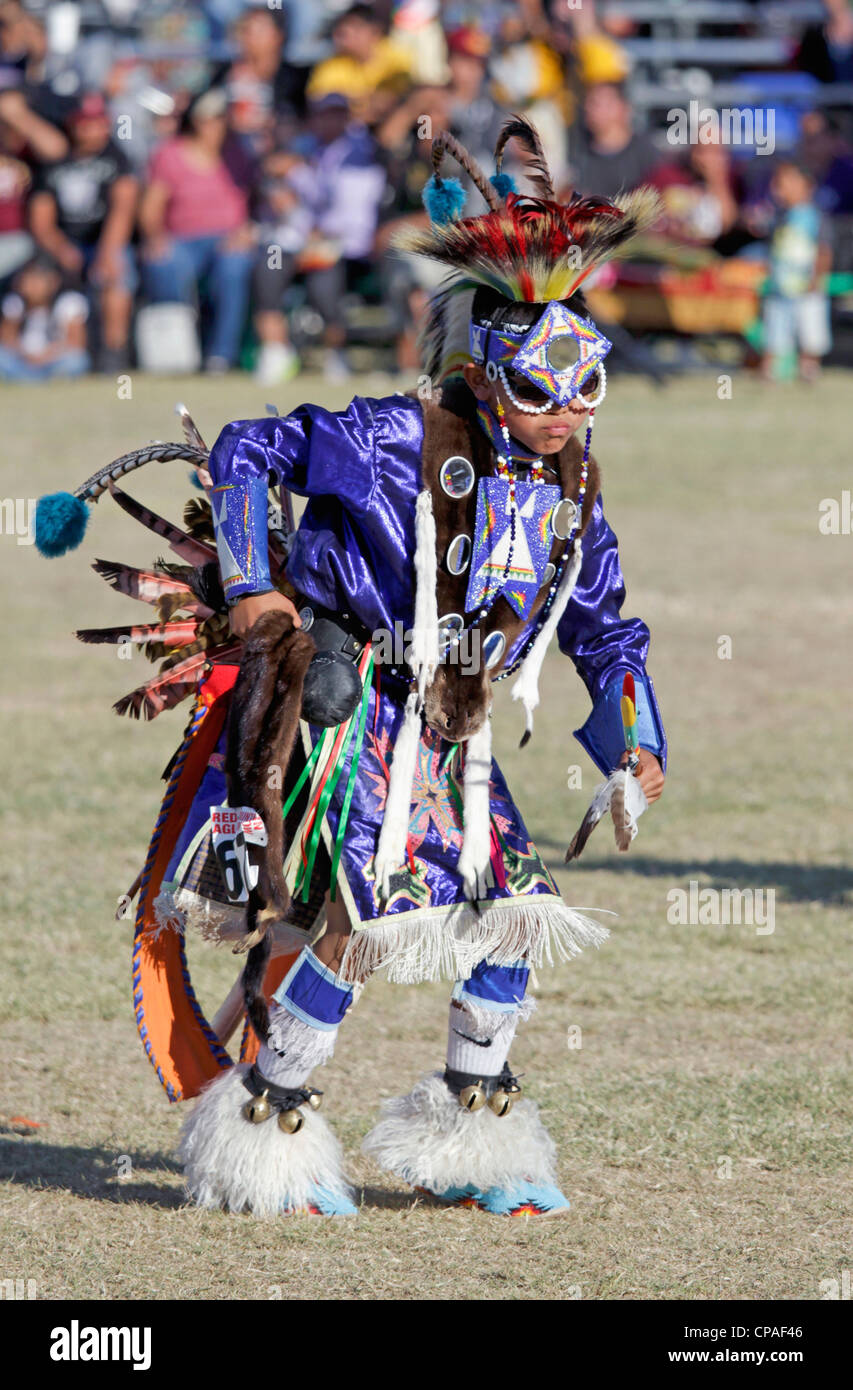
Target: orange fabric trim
{"type": "Point", "coordinates": [169, 1020]}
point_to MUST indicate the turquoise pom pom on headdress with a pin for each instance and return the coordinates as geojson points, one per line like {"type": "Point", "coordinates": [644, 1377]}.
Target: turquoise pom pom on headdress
{"type": "Point", "coordinates": [61, 520]}
{"type": "Point", "coordinates": [443, 199]}
{"type": "Point", "coordinates": [503, 184]}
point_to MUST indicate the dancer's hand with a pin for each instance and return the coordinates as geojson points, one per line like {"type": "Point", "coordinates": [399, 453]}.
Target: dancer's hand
{"type": "Point", "coordinates": [248, 609]}
{"type": "Point", "coordinates": [649, 773]}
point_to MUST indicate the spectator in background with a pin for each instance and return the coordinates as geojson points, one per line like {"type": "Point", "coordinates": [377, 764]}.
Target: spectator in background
{"type": "Point", "coordinates": [826, 50]}
{"type": "Point", "coordinates": [37, 140]}
{"type": "Point", "coordinates": [404, 138]}
{"type": "Point", "coordinates": [16, 244]}
{"type": "Point", "coordinates": [417, 30]}
{"type": "Point", "coordinates": [825, 152]}
{"type": "Point", "coordinates": [24, 52]}
{"type": "Point", "coordinates": [475, 117]}
{"type": "Point", "coordinates": [261, 85]}
{"type": "Point", "coordinates": [367, 67]}
{"type": "Point", "coordinates": [179, 34]}
{"type": "Point", "coordinates": [284, 231]}
{"type": "Point", "coordinates": [527, 75]}
{"type": "Point", "coordinates": [322, 212]}
{"type": "Point", "coordinates": [194, 220]}
{"type": "Point", "coordinates": [612, 156]}
{"type": "Point", "coordinates": [796, 308]}
{"type": "Point", "coordinates": [42, 330]}
{"type": "Point", "coordinates": [701, 195]}
{"type": "Point", "coordinates": [25, 140]}
{"type": "Point", "coordinates": [598, 56]}
{"type": "Point", "coordinates": [221, 14]}
{"type": "Point", "coordinates": [82, 213]}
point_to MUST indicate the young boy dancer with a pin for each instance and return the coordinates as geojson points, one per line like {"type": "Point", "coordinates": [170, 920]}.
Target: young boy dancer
{"type": "Point", "coordinates": [449, 535]}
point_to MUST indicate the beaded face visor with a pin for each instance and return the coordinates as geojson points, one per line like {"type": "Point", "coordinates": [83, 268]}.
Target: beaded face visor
{"type": "Point", "coordinates": [559, 358]}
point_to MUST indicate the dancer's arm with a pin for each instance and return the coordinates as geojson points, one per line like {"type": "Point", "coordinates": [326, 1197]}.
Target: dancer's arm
{"type": "Point", "coordinates": [603, 646]}
{"type": "Point", "coordinates": [312, 452]}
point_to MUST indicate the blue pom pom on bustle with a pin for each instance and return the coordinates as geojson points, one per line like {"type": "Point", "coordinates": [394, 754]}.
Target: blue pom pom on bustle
{"type": "Point", "coordinates": [61, 520]}
{"type": "Point", "coordinates": [503, 184]}
{"type": "Point", "coordinates": [443, 199]}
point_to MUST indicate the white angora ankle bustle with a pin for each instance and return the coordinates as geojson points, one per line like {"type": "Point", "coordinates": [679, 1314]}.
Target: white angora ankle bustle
{"type": "Point", "coordinates": [429, 1140]}
{"type": "Point", "coordinates": [230, 1162]}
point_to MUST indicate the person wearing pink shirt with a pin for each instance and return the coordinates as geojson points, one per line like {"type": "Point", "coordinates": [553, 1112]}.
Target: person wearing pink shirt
{"type": "Point", "coordinates": [195, 223]}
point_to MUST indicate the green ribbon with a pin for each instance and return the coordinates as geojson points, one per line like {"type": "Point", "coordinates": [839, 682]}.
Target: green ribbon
{"type": "Point", "coordinates": [310, 763]}
{"type": "Point", "coordinates": [306, 869]}
{"type": "Point", "coordinates": [350, 788]}
{"type": "Point", "coordinates": [454, 748]}
{"type": "Point", "coordinates": [451, 782]}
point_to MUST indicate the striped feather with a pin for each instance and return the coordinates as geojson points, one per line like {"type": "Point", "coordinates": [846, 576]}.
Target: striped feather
{"type": "Point", "coordinates": [191, 433]}
{"type": "Point", "coordinates": [192, 551]}
{"type": "Point", "coordinates": [537, 171]}
{"type": "Point", "coordinates": [151, 586]}
{"type": "Point", "coordinates": [163, 691]}
{"type": "Point", "coordinates": [172, 634]}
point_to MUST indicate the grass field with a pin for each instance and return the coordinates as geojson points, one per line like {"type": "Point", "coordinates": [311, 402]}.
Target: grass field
{"type": "Point", "coordinates": [704, 1123]}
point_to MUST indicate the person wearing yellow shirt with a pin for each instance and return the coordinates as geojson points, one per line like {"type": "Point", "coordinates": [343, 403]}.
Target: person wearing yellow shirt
{"type": "Point", "coordinates": [367, 67]}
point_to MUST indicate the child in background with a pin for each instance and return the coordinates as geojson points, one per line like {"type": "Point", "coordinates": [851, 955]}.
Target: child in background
{"type": "Point", "coordinates": [42, 330]}
{"type": "Point", "coordinates": [796, 308]}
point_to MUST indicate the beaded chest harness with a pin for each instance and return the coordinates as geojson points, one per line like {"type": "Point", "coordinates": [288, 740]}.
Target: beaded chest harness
{"type": "Point", "coordinates": [516, 522]}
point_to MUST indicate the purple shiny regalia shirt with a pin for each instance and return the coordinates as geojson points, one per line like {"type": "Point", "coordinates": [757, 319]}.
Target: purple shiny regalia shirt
{"type": "Point", "coordinates": [354, 550]}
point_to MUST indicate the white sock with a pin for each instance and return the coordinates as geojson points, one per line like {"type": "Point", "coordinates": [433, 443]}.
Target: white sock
{"type": "Point", "coordinates": [478, 1040]}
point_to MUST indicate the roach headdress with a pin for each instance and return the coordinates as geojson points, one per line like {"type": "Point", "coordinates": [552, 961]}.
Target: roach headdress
{"type": "Point", "coordinates": [525, 248]}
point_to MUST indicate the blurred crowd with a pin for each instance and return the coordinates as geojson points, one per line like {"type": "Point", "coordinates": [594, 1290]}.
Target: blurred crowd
{"type": "Point", "coordinates": [223, 178]}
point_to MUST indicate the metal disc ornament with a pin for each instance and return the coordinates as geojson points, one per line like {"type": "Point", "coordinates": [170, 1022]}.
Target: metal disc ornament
{"type": "Point", "coordinates": [448, 627]}
{"type": "Point", "coordinates": [548, 576]}
{"type": "Point", "coordinates": [457, 476]}
{"type": "Point", "coordinates": [563, 353]}
{"type": "Point", "coordinates": [458, 554]}
{"type": "Point", "coordinates": [307, 616]}
{"type": "Point", "coordinates": [563, 518]}
{"type": "Point", "coordinates": [493, 649]}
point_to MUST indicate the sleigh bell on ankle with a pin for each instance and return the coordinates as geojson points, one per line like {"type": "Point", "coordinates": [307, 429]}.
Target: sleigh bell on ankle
{"type": "Point", "coordinates": [473, 1097]}
{"type": "Point", "coordinates": [258, 1109]}
{"type": "Point", "coordinates": [290, 1121]}
{"type": "Point", "coordinates": [501, 1102]}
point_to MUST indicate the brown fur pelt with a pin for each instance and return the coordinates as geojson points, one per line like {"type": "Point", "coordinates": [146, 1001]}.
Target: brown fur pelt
{"type": "Point", "coordinates": [262, 729]}
{"type": "Point", "coordinates": [458, 700]}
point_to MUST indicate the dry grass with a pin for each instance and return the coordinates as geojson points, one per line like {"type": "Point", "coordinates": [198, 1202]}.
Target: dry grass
{"type": "Point", "coordinates": [700, 1044]}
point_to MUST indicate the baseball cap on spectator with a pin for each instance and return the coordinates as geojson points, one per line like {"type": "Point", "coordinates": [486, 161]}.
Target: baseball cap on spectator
{"type": "Point", "coordinates": [329, 101]}
{"type": "Point", "coordinates": [91, 107]}
{"type": "Point", "coordinates": [469, 42]}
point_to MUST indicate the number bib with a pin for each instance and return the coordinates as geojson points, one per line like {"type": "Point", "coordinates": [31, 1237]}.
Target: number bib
{"type": "Point", "coordinates": [235, 829]}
